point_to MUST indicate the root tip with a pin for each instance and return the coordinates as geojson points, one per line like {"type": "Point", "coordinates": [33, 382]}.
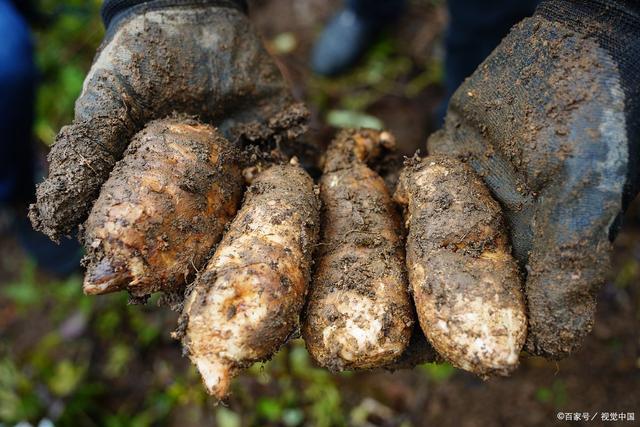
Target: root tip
{"type": "Point", "coordinates": [216, 375]}
{"type": "Point", "coordinates": [101, 278]}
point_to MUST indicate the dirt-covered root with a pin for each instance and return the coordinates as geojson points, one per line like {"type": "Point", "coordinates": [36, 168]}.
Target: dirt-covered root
{"type": "Point", "coordinates": [247, 301]}
{"type": "Point", "coordinates": [359, 313]}
{"type": "Point", "coordinates": [162, 210]}
{"type": "Point", "coordinates": [466, 285]}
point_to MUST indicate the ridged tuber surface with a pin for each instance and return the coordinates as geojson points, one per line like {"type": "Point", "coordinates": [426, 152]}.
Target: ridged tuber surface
{"type": "Point", "coordinates": [162, 209]}
{"type": "Point", "coordinates": [466, 285]}
{"type": "Point", "coordinates": [359, 313]}
{"type": "Point", "coordinates": [247, 301]}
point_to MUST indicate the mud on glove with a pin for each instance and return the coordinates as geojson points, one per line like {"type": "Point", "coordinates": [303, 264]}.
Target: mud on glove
{"type": "Point", "coordinates": [195, 57]}
{"type": "Point", "coordinates": [551, 122]}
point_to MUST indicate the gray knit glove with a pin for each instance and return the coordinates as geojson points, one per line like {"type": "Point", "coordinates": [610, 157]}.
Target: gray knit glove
{"type": "Point", "coordinates": [551, 122]}
{"type": "Point", "coordinates": [200, 58]}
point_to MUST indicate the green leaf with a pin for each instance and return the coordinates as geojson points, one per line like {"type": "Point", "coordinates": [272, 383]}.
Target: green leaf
{"type": "Point", "coordinates": [556, 394]}
{"type": "Point", "coordinates": [628, 274]}
{"type": "Point", "coordinates": [269, 409]}
{"type": "Point", "coordinates": [544, 395]}
{"type": "Point", "coordinates": [353, 119]}
{"type": "Point", "coordinates": [24, 292]}
{"type": "Point", "coordinates": [559, 394]}
{"type": "Point", "coordinates": [283, 43]}
{"type": "Point", "coordinates": [118, 359]}
{"type": "Point", "coordinates": [227, 418]}
{"type": "Point", "coordinates": [438, 372]}
{"type": "Point", "coordinates": [66, 378]}
{"type": "Point", "coordinates": [299, 360]}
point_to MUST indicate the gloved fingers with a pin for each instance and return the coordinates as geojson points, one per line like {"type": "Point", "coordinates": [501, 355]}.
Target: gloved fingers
{"type": "Point", "coordinates": [564, 275]}
{"type": "Point", "coordinates": [571, 249]}
{"type": "Point", "coordinates": [464, 141]}
{"type": "Point", "coordinates": [249, 89]}
{"type": "Point", "coordinates": [202, 62]}
{"type": "Point", "coordinates": [84, 153]}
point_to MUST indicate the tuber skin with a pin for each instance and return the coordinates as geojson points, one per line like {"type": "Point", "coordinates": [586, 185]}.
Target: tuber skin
{"type": "Point", "coordinates": [466, 285]}
{"type": "Point", "coordinates": [247, 301]}
{"type": "Point", "coordinates": [162, 210]}
{"type": "Point", "coordinates": [359, 313]}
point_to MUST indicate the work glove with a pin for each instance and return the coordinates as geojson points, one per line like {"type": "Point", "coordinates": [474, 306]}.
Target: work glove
{"type": "Point", "coordinates": [550, 121]}
{"type": "Point", "coordinates": [195, 57]}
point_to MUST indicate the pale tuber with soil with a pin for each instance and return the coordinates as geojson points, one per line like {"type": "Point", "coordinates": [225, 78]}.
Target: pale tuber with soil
{"type": "Point", "coordinates": [246, 302]}
{"type": "Point", "coordinates": [466, 285]}
{"type": "Point", "coordinates": [167, 203]}
{"type": "Point", "coordinates": [359, 313]}
{"type": "Point", "coordinates": [162, 209]}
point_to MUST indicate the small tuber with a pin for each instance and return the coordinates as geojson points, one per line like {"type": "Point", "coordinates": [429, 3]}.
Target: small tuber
{"type": "Point", "coordinates": [359, 313]}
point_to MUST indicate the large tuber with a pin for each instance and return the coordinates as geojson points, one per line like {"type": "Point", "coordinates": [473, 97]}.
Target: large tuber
{"type": "Point", "coordinates": [466, 285]}
{"type": "Point", "coordinates": [247, 300]}
{"type": "Point", "coordinates": [162, 209]}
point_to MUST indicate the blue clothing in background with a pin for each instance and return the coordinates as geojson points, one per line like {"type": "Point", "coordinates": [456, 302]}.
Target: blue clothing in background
{"type": "Point", "coordinates": [17, 93]}
{"type": "Point", "coordinates": [17, 161]}
{"type": "Point", "coordinates": [475, 28]}
{"type": "Point", "coordinates": [350, 32]}
{"type": "Point", "coordinates": [380, 10]}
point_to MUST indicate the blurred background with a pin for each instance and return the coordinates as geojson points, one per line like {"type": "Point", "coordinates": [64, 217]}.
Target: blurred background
{"type": "Point", "coordinates": [71, 360]}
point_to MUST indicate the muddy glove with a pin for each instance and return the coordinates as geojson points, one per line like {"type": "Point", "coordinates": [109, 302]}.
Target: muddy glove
{"type": "Point", "coordinates": [551, 122]}
{"type": "Point", "coordinates": [198, 57]}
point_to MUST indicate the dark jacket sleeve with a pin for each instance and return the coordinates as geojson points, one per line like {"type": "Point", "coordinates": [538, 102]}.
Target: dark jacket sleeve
{"type": "Point", "coordinates": [114, 10]}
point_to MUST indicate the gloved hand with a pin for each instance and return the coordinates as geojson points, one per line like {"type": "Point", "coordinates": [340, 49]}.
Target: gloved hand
{"type": "Point", "coordinates": [551, 122]}
{"type": "Point", "coordinates": [197, 57]}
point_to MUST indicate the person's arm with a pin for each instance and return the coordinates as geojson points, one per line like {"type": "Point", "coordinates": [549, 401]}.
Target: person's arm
{"type": "Point", "coordinates": [197, 57]}
{"type": "Point", "coordinates": [551, 122]}
{"type": "Point", "coordinates": [114, 10]}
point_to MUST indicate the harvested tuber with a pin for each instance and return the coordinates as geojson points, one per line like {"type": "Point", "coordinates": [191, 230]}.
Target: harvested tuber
{"type": "Point", "coordinates": [247, 301]}
{"type": "Point", "coordinates": [359, 313]}
{"type": "Point", "coordinates": [466, 285]}
{"type": "Point", "coordinates": [162, 209]}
